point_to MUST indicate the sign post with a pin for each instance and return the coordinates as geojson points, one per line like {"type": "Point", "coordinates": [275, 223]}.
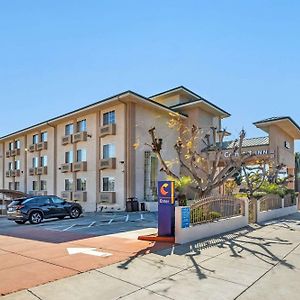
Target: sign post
{"type": "Point", "coordinates": [166, 208]}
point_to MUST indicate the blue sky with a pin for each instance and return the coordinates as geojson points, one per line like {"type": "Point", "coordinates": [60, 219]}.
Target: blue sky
{"type": "Point", "coordinates": [56, 56]}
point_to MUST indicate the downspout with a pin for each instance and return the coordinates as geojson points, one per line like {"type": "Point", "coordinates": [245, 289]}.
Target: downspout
{"type": "Point", "coordinates": [25, 164]}
{"type": "Point", "coordinates": [3, 164]}
{"type": "Point", "coordinates": [54, 158]}
{"type": "Point", "coordinates": [126, 151]}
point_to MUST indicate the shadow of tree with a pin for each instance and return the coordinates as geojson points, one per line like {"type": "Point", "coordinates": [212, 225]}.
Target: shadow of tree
{"type": "Point", "coordinates": [239, 243]}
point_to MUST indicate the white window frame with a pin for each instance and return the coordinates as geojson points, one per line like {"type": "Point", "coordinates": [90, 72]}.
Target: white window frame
{"type": "Point", "coordinates": [109, 178]}
{"type": "Point", "coordinates": [111, 150]}
{"type": "Point", "coordinates": [110, 120]}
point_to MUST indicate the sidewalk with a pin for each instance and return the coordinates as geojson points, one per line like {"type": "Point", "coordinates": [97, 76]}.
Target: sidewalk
{"type": "Point", "coordinates": [261, 262]}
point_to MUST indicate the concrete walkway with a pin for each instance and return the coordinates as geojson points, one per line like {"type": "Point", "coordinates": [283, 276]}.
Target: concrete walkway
{"type": "Point", "coordinates": [260, 262]}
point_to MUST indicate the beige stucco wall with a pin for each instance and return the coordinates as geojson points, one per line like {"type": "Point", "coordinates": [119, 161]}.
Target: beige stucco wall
{"type": "Point", "coordinates": [119, 141]}
{"type": "Point", "coordinates": [145, 119]}
{"type": "Point", "coordinates": [170, 100]}
{"type": "Point", "coordinates": [2, 161]}
{"type": "Point", "coordinates": [90, 147]}
{"type": "Point", "coordinates": [277, 139]}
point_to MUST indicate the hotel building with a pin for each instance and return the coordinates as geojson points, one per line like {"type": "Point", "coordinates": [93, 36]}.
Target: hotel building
{"type": "Point", "coordinates": [97, 155]}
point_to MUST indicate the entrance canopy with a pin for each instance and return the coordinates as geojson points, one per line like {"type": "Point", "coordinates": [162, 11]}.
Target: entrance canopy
{"type": "Point", "coordinates": [11, 194]}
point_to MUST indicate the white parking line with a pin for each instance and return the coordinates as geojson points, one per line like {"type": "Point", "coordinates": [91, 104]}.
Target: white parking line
{"type": "Point", "coordinates": [69, 227]}
{"type": "Point", "coordinates": [92, 224]}
{"type": "Point", "coordinates": [127, 218]}
{"type": "Point", "coordinates": [110, 221]}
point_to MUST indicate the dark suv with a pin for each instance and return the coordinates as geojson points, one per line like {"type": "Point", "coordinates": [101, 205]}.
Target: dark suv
{"type": "Point", "coordinates": [36, 208]}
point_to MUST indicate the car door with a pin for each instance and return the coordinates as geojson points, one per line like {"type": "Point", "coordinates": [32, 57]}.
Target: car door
{"type": "Point", "coordinates": [59, 207]}
{"type": "Point", "coordinates": [46, 205]}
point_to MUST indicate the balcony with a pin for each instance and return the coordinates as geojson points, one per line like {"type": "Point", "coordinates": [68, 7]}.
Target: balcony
{"type": "Point", "coordinates": [32, 147]}
{"type": "Point", "coordinates": [67, 139]}
{"type": "Point", "coordinates": [79, 166]}
{"type": "Point", "coordinates": [8, 153]}
{"type": "Point", "coordinates": [109, 129]}
{"type": "Point", "coordinates": [80, 137]}
{"type": "Point", "coordinates": [15, 152]}
{"type": "Point", "coordinates": [107, 198]}
{"type": "Point", "coordinates": [66, 168]}
{"type": "Point", "coordinates": [41, 146]}
{"type": "Point", "coordinates": [80, 196]}
{"type": "Point", "coordinates": [109, 163]}
{"type": "Point", "coordinates": [41, 171]}
{"type": "Point", "coordinates": [32, 171]}
{"type": "Point", "coordinates": [66, 195]}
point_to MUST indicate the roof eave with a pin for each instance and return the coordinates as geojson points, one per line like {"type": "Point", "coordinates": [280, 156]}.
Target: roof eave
{"type": "Point", "coordinates": [108, 100]}
{"type": "Point", "coordinates": [220, 112]}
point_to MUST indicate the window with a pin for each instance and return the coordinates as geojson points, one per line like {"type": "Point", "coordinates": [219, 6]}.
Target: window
{"type": "Point", "coordinates": [10, 165]}
{"type": "Point", "coordinates": [69, 129]}
{"type": "Point", "coordinates": [69, 157]}
{"type": "Point", "coordinates": [81, 155]}
{"type": "Point", "coordinates": [17, 144]}
{"type": "Point", "coordinates": [35, 185]}
{"type": "Point", "coordinates": [81, 126]}
{"type": "Point", "coordinates": [109, 118]}
{"type": "Point", "coordinates": [43, 185]}
{"type": "Point", "coordinates": [17, 165]}
{"type": "Point", "coordinates": [44, 161]}
{"type": "Point", "coordinates": [35, 139]}
{"type": "Point", "coordinates": [44, 136]}
{"type": "Point", "coordinates": [81, 184]}
{"type": "Point", "coordinates": [108, 151]}
{"type": "Point", "coordinates": [11, 186]}
{"type": "Point", "coordinates": [108, 184]}
{"type": "Point", "coordinates": [57, 200]}
{"type": "Point", "coordinates": [68, 184]}
{"type": "Point", "coordinates": [17, 186]}
{"type": "Point", "coordinates": [35, 162]}
{"type": "Point", "coordinates": [11, 146]}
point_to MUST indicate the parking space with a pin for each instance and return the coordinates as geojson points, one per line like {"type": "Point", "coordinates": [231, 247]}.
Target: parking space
{"type": "Point", "coordinates": [104, 223]}
{"type": "Point", "coordinates": [31, 255]}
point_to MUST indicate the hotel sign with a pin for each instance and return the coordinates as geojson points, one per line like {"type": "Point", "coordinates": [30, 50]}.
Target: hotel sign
{"type": "Point", "coordinates": [228, 154]}
{"type": "Point", "coordinates": [166, 192]}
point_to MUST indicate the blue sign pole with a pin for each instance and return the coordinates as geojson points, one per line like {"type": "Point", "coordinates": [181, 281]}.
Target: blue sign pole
{"type": "Point", "coordinates": [166, 208]}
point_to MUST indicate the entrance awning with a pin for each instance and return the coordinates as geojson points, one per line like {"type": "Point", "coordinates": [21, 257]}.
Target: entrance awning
{"type": "Point", "coordinates": [11, 194]}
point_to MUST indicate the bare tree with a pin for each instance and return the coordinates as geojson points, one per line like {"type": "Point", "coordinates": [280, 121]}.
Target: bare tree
{"type": "Point", "coordinates": [200, 155]}
{"type": "Point", "coordinates": [254, 177]}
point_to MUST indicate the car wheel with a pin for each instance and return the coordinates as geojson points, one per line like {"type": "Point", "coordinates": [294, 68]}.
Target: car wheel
{"type": "Point", "coordinates": [20, 222]}
{"type": "Point", "coordinates": [61, 217]}
{"type": "Point", "coordinates": [75, 213]}
{"type": "Point", "coordinates": [35, 217]}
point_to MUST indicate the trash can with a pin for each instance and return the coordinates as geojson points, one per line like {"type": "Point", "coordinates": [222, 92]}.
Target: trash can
{"type": "Point", "coordinates": [143, 208]}
{"type": "Point", "coordinates": [132, 204]}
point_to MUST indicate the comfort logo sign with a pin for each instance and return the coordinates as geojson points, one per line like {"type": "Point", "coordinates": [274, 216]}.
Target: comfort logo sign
{"type": "Point", "coordinates": [166, 192]}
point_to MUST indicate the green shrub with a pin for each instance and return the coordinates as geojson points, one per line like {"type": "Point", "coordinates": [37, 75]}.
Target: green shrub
{"type": "Point", "coordinates": [214, 215]}
{"type": "Point", "coordinates": [258, 195]}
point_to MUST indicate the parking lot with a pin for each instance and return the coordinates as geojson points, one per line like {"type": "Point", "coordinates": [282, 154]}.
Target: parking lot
{"type": "Point", "coordinates": [90, 224]}
{"type": "Point", "coordinates": [31, 255]}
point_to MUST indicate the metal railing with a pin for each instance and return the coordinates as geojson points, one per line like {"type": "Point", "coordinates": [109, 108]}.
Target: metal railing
{"type": "Point", "coordinates": [216, 207]}
{"type": "Point", "coordinates": [270, 202]}
{"type": "Point", "coordinates": [289, 200]}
